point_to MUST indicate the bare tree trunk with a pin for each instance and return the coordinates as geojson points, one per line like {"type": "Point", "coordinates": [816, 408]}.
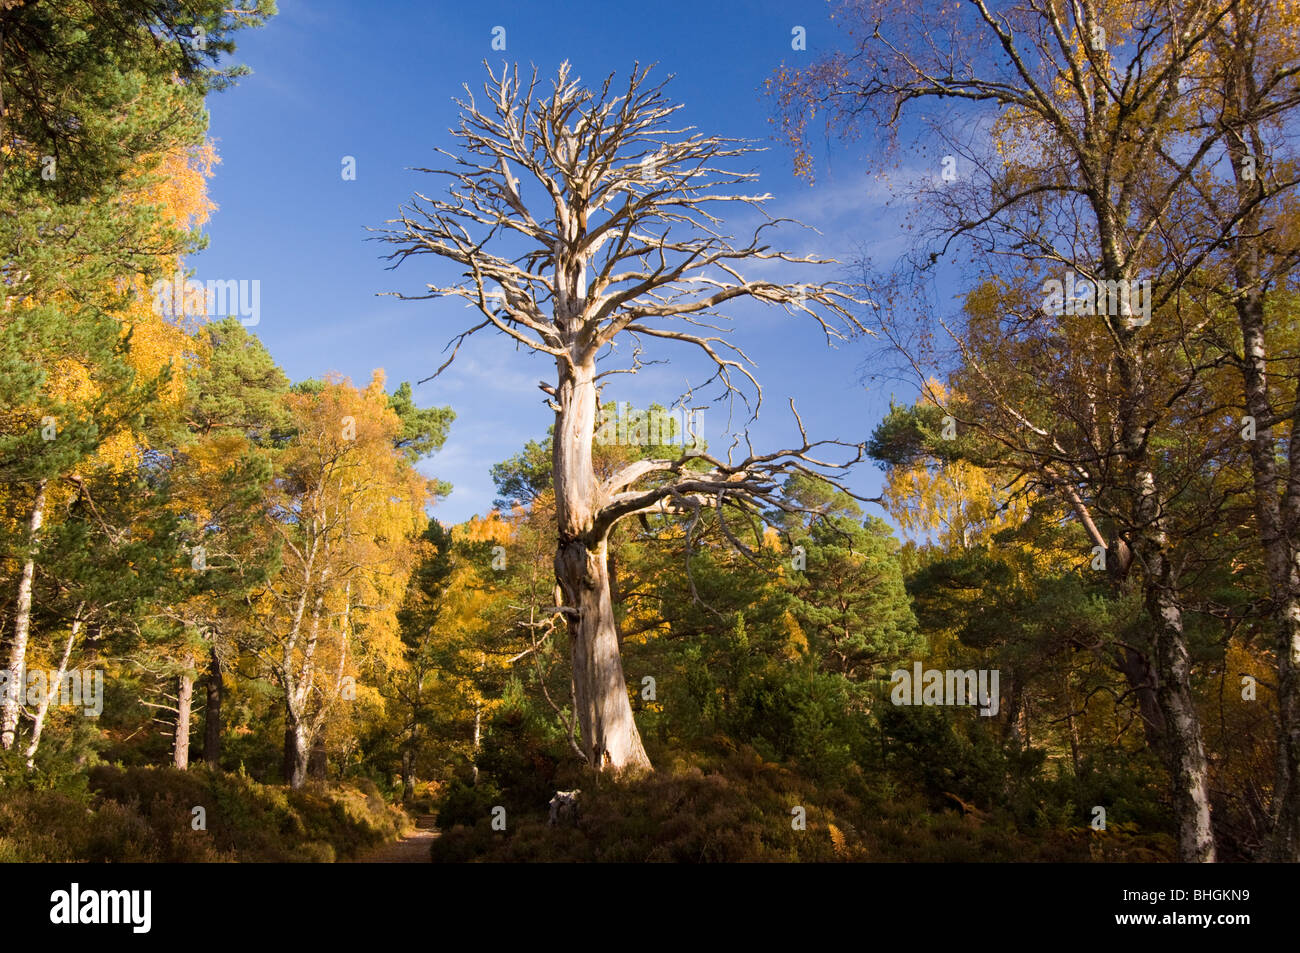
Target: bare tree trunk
{"type": "Point", "coordinates": [1141, 679]}
{"type": "Point", "coordinates": [408, 776]}
{"type": "Point", "coordinates": [478, 734]}
{"type": "Point", "coordinates": [1073, 727]}
{"type": "Point", "coordinates": [184, 704]}
{"type": "Point", "coordinates": [1280, 554]}
{"type": "Point", "coordinates": [296, 748]}
{"type": "Point", "coordinates": [38, 723]}
{"type": "Point", "coordinates": [609, 733]}
{"type": "Point", "coordinates": [298, 733]}
{"type": "Point", "coordinates": [1185, 750]}
{"type": "Point", "coordinates": [1187, 762]}
{"type": "Point", "coordinates": [11, 702]}
{"type": "Point", "coordinates": [212, 712]}
{"type": "Point", "coordinates": [1277, 504]}
{"type": "Point", "coordinates": [1071, 717]}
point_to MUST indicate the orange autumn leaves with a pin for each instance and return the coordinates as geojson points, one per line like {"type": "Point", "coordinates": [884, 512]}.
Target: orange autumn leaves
{"type": "Point", "coordinates": [347, 509]}
{"type": "Point", "coordinates": [175, 187]}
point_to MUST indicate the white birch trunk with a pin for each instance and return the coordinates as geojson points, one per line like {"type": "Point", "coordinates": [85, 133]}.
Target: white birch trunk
{"type": "Point", "coordinates": [38, 723]}
{"type": "Point", "coordinates": [11, 703]}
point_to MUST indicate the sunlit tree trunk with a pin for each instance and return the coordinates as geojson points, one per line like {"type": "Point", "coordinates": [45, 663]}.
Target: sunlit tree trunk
{"type": "Point", "coordinates": [1262, 258]}
{"type": "Point", "coordinates": [296, 750]}
{"type": "Point", "coordinates": [38, 722]}
{"type": "Point", "coordinates": [1184, 747]}
{"type": "Point", "coordinates": [1274, 512]}
{"type": "Point", "coordinates": [1277, 505]}
{"type": "Point", "coordinates": [609, 733]}
{"type": "Point", "coordinates": [478, 734]}
{"type": "Point", "coordinates": [184, 707]}
{"type": "Point", "coordinates": [11, 702]}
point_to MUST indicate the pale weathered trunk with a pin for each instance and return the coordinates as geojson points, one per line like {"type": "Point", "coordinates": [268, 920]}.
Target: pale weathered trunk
{"type": "Point", "coordinates": [1277, 506]}
{"type": "Point", "coordinates": [1280, 561]}
{"type": "Point", "coordinates": [1184, 748]}
{"type": "Point", "coordinates": [184, 707]}
{"type": "Point", "coordinates": [610, 738]}
{"type": "Point", "coordinates": [1276, 515]}
{"type": "Point", "coordinates": [11, 703]}
{"type": "Point", "coordinates": [296, 749]}
{"type": "Point", "coordinates": [38, 723]}
{"type": "Point", "coordinates": [212, 712]}
{"type": "Point", "coordinates": [478, 735]}
{"type": "Point", "coordinates": [1187, 763]}
{"type": "Point", "coordinates": [298, 734]}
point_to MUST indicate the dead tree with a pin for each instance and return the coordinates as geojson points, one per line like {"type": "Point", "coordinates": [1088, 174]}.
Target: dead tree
{"type": "Point", "coordinates": [584, 217]}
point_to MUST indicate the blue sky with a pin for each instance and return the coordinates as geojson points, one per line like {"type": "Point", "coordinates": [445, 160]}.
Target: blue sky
{"type": "Point", "coordinates": [376, 81]}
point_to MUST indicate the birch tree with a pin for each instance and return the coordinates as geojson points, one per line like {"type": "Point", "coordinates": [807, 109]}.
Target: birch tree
{"type": "Point", "coordinates": [582, 218]}
{"type": "Point", "coordinates": [1092, 156]}
{"type": "Point", "coordinates": [93, 97]}
{"type": "Point", "coordinates": [1249, 90]}
{"type": "Point", "coordinates": [347, 508]}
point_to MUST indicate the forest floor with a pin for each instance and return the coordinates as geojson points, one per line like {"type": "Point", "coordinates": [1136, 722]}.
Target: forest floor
{"type": "Point", "coordinates": [413, 848]}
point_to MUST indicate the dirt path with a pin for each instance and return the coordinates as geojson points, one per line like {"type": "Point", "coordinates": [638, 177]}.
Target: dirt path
{"type": "Point", "coordinates": [411, 849]}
